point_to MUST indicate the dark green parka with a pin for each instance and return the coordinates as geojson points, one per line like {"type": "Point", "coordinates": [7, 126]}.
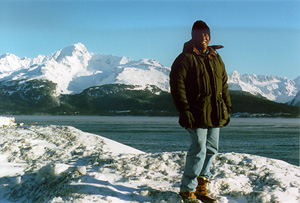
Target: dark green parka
{"type": "Point", "coordinates": [198, 84]}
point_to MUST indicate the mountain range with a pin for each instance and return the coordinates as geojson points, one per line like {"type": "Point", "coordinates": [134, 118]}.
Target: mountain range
{"type": "Point", "coordinates": [73, 70]}
{"type": "Point", "coordinates": [274, 88]}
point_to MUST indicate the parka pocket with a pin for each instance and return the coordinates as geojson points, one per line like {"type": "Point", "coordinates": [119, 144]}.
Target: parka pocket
{"type": "Point", "coordinates": [218, 80]}
{"type": "Point", "coordinates": [223, 113]}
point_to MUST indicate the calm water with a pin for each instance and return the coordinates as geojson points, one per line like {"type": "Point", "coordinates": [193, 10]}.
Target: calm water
{"type": "Point", "coordinates": [270, 137]}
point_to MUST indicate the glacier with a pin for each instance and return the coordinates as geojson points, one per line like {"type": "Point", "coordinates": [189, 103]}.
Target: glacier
{"type": "Point", "coordinates": [74, 69]}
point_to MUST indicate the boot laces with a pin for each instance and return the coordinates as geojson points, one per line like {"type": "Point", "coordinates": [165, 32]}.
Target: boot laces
{"type": "Point", "coordinates": [201, 188]}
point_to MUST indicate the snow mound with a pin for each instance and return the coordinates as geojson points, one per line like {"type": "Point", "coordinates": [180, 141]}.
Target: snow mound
{"type": "Point", "coordinates": [254, 179]}
{"type": "Point", "coordinates": [7, 121]}
{"type": "Point", "coordinates": [64, 164]}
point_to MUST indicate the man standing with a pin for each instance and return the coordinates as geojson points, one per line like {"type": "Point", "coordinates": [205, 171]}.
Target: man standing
{"type": "Point", "coordinates": [199, 88]}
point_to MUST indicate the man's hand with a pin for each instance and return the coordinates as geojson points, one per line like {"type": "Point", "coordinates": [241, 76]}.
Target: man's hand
{"type": "Point", "coordinates": [186, 119]}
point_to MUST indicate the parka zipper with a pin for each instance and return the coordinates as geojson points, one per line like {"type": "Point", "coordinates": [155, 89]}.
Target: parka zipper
{"type": "Point", "coordinates": [200, 75]}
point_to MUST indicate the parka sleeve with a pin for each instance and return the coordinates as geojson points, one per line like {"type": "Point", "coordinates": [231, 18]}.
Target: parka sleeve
{"type": "Point", "coordinates": [225, 92]}
{"type": "Point", "coordinates": [178, 75]}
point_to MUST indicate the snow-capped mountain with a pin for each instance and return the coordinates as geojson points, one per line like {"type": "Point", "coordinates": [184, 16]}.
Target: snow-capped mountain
{"type": "Point", "coordinates": [74, 69]}
{"type": "Point", "coordinates": [278, 89]}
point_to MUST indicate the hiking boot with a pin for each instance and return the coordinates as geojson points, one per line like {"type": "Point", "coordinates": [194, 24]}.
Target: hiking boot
{"type": "Point", "coordinates": [201, 192]}
{"type": "Point", "coordinates": [188, 196]}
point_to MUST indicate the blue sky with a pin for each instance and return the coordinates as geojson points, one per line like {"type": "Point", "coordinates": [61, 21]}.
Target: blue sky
{"type": "Point", "coordinates": [261, 37]}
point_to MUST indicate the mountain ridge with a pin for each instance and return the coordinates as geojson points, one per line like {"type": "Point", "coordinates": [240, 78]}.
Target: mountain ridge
{"type": "Point", "coordinates": [274, 88]}
{"type": "Point", "coordinates": [74, 69]}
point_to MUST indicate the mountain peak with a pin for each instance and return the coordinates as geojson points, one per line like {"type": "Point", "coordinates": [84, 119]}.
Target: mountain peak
{"type": "Point", "coordinates": [79, 47]}
{"type": "Point", "coordinates": [234, 74]}
{"type": "Point", "coordinates": [75, 50]}
{"type": "Point", "coordinates": [9, 57]}
{"type": "Point", "coordinates": [75, 47]}
{"type": "Point", "coordinates": [9, 62]}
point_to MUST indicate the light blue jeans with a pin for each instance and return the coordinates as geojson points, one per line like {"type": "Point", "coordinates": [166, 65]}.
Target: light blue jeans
{"type": "Point", "coordinates": [204, 145]}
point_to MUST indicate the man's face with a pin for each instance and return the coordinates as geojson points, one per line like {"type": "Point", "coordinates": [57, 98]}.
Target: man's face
{"type": "Point", "coordinates": [202, 40]}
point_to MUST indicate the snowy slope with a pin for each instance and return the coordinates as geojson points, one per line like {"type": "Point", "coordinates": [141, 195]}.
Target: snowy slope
{"type": "Point", "coordinates": [74, 69]}
{"type": "Point", "coordinates": [64, 164]}
{"type": "Point", "coordinates": [296, 100]}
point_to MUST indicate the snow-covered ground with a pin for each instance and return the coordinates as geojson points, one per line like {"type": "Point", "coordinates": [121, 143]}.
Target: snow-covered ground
{"type": "Point", "coordinates": [64, 164]}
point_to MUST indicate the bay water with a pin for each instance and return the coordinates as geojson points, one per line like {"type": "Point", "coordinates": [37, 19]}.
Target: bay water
{"type": "Point", "coordinates": [270, 137]}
